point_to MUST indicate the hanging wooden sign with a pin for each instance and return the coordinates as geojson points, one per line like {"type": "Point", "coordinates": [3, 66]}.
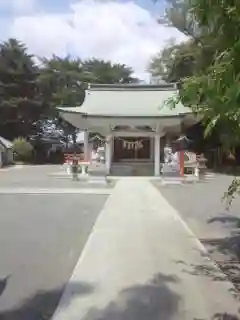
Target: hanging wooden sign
{"type": "Point", "coordinates": [132, 145]}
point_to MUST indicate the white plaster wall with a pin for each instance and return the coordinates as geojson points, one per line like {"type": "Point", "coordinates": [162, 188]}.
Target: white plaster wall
{"type": "Point", "coordinates": [1, 164]}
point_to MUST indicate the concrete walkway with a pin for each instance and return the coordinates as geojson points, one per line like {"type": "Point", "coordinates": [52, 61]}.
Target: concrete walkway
{"type": "Point", "coordinates": [142, 262]}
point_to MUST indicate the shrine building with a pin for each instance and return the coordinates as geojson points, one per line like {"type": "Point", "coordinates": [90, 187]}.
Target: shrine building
{"type": "Point", "coordinates": [136, 121]}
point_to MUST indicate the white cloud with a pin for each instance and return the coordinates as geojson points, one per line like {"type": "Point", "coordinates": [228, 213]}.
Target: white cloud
{"type": "Point", "coordinates": [118, 31]}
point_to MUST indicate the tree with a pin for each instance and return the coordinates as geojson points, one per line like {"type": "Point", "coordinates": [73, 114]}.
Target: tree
{"type": "Point", "coordinates": [175, 61]}
{"type": "Point", "coordinates": [29, 94]}
{"type": "Point", "coordinates": [19, 103]}
{"type": "Point", "coordinates": [179, 15]}
{"type": "Point", "coordinates": [178, 61]}
{"type": "Point", "coordinates": [23, 149]}
{"type": "Point", "coordinates": [107, 72]}
{"type": "Point", "coordinates": [213, 90]}
{"type": "Point", "coordinates": [61, 81]}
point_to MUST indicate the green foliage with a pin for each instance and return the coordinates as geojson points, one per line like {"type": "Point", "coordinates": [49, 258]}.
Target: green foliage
{"type": "Point", "coordinates": [62, 80]}
{"type": "Point", "coordinates": [107, 72]}
{"type": "Point", "coordinates": [19, 103]}
{"type": "Point", "coordinates": [210, 80]}
{"type": "Point", "coordinates": [23, 149]}
{"type": "Point", "coordinates": [180, 16]}
{"type": "Point", "coordinates": [220, 95]}
{"type": "Point", "coordinates": [175, 61]}
{"type": "Point", "coordinates": [178, 61]}
{"type": "Point", "coordinates": [29, 93]}
{"type": "Point", "coordinates": [214, 91]}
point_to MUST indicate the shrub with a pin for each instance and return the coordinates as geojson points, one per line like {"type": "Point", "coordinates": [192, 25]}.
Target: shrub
{"type": "Point", "coordinates": [23, 149]}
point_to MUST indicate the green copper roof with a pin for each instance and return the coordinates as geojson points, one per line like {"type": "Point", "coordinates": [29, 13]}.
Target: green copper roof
{"type": "Point", "coordinates": [129, 101]}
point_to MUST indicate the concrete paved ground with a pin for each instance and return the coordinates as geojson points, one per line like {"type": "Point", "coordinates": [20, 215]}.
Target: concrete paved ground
{"type": "Point", "coordinates": [41, 238]}
{"type": "Point", "coordinates": [142, 262]}
{"type": "Point", "coordinates": [201, 206]}
{"type": "Point", "coordinates": [44, 176]}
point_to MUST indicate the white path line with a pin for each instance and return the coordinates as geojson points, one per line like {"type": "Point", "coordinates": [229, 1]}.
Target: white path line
{"type": "Point", "coordinates": [54, 191]}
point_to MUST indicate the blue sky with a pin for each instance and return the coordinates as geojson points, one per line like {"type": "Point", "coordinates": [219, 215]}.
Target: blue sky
{"type": "Point", "coordinates": [121, 31]}
{"type": "Point", "coordinates": [55, 5]}
{"type": "Point", "coordinates": [62, 5]}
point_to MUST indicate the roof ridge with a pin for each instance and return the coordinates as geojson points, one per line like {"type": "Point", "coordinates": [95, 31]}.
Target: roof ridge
{"type": "Point", "coordinates": [131, 87]}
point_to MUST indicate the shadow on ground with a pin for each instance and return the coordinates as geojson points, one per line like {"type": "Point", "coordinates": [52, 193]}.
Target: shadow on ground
{"type": "Point", "coordinates": [227, 219]}
{"type": "Point", "coordinates": [43, 304]}
{"type": "Point", "coordinates": [225, 316]}
{"type": "Point", "coordinates": [227, 267]}
{"type": "Point", "coordinates": [226, 250]}
{"type": "Point", "coordinates": [216, 274]}
{"type": "Point", "coordinates": [3, 284]}
{"type": "Point", "coordinates": [153, 301]}
{"type": "Point", "coordinates": [207, 270]}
